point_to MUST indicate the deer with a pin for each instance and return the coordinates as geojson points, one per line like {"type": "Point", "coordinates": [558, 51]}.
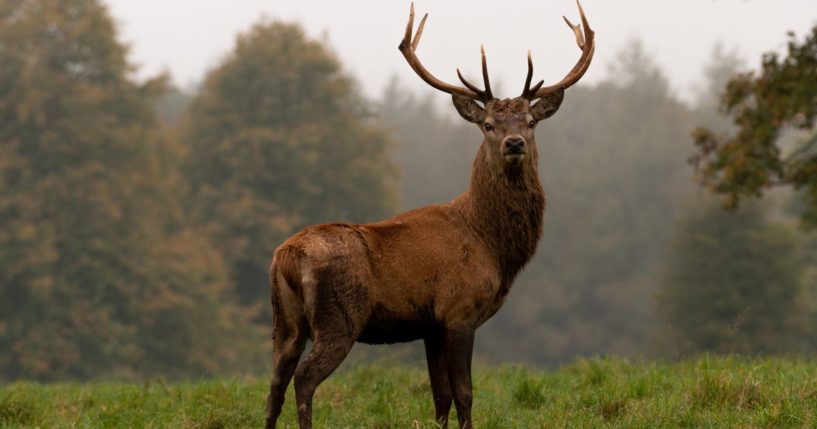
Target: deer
{"type": "Point", "coordinates": [435, 273]}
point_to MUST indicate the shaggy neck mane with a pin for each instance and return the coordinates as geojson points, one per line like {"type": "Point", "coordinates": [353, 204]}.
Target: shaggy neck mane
{"type": "Point", "coordinates": [507, 209]}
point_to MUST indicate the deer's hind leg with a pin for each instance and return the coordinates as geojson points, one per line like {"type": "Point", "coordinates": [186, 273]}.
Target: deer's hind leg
{"type": "Point", "coordinates": [337, 314]}
{"type": "Point", "coordinates": [290, 332]}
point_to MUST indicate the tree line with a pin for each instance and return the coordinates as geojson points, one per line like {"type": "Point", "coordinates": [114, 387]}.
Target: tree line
{"type": "Point", "coordinates": [137, 221]}
{"type": "Point", "coordinates": [136, 246]}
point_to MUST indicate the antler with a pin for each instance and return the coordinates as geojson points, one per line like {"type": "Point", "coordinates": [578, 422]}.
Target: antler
{"type": "Point", "coordinates": [587, 43]}
{"type": "Point", "coordinates": [408, 47]}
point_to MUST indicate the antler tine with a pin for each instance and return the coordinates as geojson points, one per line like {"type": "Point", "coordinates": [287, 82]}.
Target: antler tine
{"type": "Point", "coordinates": [409, 27]}
{"type": "Point", "coordinates": [583, 18]}
{"type": "Point", "coordinates": [470, 85]}
{"type": "Point", "coordinates": [577, 30]}
{"type": "Point", "coordinates": [586, 39]}
{"type": "Point", "coordinates": [409, 47]}
{"type": "Point", "coordinates": [419, 31]}
{"type": "Point", "coordinates": [535, 88]}
{"type": "Point", "coordinates": [527, 91]}
{"type": "Point", "coordinates": [487, 93]}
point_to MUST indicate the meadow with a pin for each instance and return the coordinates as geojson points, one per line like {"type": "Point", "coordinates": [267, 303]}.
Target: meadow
{"type": "Point", "coordinates": [707, 392]}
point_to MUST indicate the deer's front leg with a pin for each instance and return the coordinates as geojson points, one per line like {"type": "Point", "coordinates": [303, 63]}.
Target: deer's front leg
{"type": "Point", "coordinates": [459, 346]}
{"type": "Point", "coordinates": [438, 375]}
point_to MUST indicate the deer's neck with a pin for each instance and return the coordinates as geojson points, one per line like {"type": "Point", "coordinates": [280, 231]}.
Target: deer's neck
{"type": "Point", "coordinates": [506, 208]}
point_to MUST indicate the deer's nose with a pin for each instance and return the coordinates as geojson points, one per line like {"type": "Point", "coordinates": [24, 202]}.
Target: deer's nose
{"type": "Point", "coordinates": [514, 144]}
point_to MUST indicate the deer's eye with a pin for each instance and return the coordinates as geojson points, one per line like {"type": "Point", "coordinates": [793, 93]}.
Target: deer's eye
{"type": "Point", "coordinates": [532, 124]}
{"type": "Point", "coordinates": [488, 127]}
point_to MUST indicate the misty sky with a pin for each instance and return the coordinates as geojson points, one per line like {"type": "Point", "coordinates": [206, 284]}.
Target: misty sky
{"type": "Point", "coordinates": [186, 37]}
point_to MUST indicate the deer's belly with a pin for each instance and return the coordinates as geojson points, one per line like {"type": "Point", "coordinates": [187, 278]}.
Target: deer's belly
{"type": "Point", "coordinates": [394, 333]}
{"type": "Point", "coordinates": [387, 327]}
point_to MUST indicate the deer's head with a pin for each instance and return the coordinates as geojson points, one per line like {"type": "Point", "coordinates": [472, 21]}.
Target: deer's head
{"type": "Point", "coordinates": [508, 124]}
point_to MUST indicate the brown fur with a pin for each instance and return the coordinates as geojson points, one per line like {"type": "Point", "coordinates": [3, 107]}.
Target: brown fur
{"type": "Point", "coordinates": [436, 273]}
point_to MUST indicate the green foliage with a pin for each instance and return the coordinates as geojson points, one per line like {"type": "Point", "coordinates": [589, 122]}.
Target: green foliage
{"type": "Point", "coordinates": [100, 275]}
{"type": "Point", "coordinates": [732, 283]}
{"type": "Point", "coordinates": [707, 392]}
{"type": "Point", "coordinates": [279, 138]}
{"type": "Point", "coordinates": [763, 107]}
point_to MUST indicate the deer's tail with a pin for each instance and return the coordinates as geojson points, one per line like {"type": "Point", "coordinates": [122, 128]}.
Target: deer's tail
{"type": "Point", "coordinates": [286, 290]}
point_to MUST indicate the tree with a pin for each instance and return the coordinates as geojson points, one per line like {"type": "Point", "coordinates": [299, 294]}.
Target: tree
{"type": "Point", "coordinates": [435, 151]}
{"type": "Point", "coordinates": [99, 273]}
{"type": "Point", "coordinates": [280, 138]}
{"type": "Point", "coordinates": [612, 166]}
{"type": "Point", "coordinates": [763, 108]}
{"type": "Point", "coordinates": [723, 65]}
{"type": "Point", "coordinates": [731, 284]}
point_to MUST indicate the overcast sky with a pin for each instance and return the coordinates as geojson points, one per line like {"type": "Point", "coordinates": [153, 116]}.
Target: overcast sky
{"type": "Point", "coordinates": [187, 37]}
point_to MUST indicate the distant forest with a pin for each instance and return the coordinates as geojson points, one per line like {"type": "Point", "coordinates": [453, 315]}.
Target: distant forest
{"type": "Point", "coordinates": [138, 220]}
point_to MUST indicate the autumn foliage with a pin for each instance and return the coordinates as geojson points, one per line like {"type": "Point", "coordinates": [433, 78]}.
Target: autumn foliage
{"type": "Point", "coordinates": [764, 108]}
{"type": "Point", "coordinates": [122, 248]}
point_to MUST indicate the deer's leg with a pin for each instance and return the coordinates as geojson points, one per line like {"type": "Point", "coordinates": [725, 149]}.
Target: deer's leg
{"type": "Point", "coordinates": [338, 316]}
{"type": "Point", "coordinates": [459, 346]}
{"type": "Point", "coordinates": [325, 356]}
{"type": "Point", "coordinates": [287, 348]}
{"type": "Point", "coordinates": [438, 375]}
{"type": "Point", "coordinates": [289, 333]}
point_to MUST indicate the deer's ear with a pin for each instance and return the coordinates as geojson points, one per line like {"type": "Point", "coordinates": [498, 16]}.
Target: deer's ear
{"type": "Point", "coordinates": [547, 105]}
{"type": "Point", "coordinates": [469, 109]}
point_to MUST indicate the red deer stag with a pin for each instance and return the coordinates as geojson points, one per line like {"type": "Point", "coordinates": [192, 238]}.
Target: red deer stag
{"type": "Point", "coordinates": [436, 273]}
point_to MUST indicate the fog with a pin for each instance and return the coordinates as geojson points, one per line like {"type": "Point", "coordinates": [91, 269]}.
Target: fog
{"type": "Point", "coordinates": [138, 217]}
{"type": "Point", "coordinates": [186, 37]}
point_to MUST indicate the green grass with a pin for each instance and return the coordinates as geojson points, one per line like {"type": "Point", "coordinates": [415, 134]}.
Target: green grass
{"type": "Point", "coordinates": [706, 393]}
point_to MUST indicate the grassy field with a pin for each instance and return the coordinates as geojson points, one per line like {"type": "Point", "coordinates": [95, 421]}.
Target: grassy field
{"type": "Point", "coordinates": [705, 393]}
